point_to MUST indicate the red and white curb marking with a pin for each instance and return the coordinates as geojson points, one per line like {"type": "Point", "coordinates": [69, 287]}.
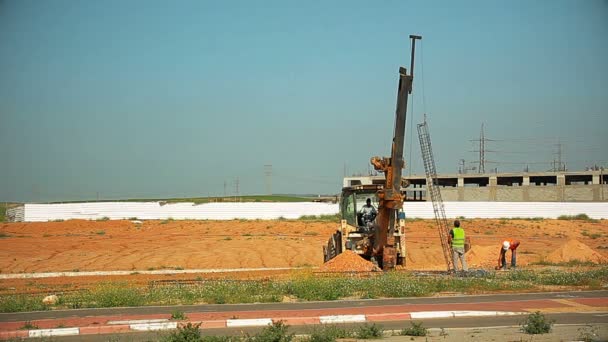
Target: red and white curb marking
{"type": "Point", "coordinates": [166, 324]}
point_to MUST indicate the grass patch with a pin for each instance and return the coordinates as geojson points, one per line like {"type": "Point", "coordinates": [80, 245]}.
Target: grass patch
{"type": "Point", "coordinates": [311, 233]}
{"type": "Point", "coordinates": [100, 232]}
{"type": "Point", "coordinates": [306, 287]}
{"type": "Point", "coordinates": [571, 263]}
{"type": "Point", "coordinates": [525, 218]}
{"type": "Point", "coordinates": [4, 235]}
{"type": "Point", "coordinates": [329, 333]}
{"type": "Point", "coordinates": [322, 218]}
{"type": "Point", "coordinates": [105, 218]}
{"type": "Point", "coordinates": [579, 217]}
{"type": "Point", "coordinates": [591, 235]}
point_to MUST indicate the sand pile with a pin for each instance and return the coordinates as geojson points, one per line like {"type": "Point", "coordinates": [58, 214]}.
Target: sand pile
{"type": "Point", "coordinates": [575, 250]}
{"type": "Point", "coordinates": [348, 261]}
{"type": "Point", "coordinates": [482, 256]}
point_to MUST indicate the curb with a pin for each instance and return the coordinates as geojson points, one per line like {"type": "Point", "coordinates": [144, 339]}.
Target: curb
{"type": "Point", "coordinates": [166, 324]}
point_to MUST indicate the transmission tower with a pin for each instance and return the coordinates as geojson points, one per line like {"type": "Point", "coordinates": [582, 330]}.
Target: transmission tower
{"type": "Point", "coordinates": [236, 187]}
{"type": "Point", "coordinates": [558, 165]}
{"type": "Point", "coordinates": [268, 174]}
{"type": "Point", "coordinates": [482, 150]}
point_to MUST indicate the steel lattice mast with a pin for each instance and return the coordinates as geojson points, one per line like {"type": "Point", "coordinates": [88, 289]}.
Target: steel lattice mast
{"type": "Point", "coordinates": [432, 190]}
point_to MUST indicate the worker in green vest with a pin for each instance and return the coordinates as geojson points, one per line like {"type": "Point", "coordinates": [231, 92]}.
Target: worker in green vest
{"type": "Point", "coordinates": [456, 240]}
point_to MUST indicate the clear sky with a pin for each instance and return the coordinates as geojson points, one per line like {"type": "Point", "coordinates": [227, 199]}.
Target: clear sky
{"type": "Point", "coordinates": [132, 99]}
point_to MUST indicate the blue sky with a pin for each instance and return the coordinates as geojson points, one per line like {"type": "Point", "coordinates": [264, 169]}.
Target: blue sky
{"type": "Point", "coordinates": [156, 98]}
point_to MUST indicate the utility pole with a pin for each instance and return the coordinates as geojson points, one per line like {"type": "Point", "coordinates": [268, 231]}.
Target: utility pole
{"type": "Point", "coordinates": [482, 151]}
{"type": "Point", "coordinates": [236, 186]}
{"type": "Point", "coordinates": [268, 174]}
{"type": "Point", "coordinates": [224, 188]}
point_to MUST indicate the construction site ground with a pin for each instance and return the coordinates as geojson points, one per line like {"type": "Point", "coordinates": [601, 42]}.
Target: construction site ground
{"type": "Point", "coordinates": [79, 246]}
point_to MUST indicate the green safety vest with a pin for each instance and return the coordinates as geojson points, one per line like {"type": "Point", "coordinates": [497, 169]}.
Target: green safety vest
{"type": "Point", "coordinates": [458, 240]}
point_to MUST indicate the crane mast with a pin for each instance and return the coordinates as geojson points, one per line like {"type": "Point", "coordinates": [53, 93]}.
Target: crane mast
{"type": "Point", "coordinates": [390, 197]}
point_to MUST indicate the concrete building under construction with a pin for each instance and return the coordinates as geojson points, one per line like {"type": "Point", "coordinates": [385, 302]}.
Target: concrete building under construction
{"type": "Point", "coordinates": [581, 186]}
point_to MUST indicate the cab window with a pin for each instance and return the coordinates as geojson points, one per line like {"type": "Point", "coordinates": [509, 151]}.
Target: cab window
{"type": "Point", "coordinates": [349, 210]}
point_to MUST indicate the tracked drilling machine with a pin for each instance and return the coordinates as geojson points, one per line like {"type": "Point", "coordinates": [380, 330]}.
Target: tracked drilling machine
{"type": "Point", "coordinates": [379, 238]}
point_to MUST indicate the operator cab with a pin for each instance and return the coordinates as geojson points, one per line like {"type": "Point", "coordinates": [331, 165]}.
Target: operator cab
{"type": "Point", "coordinates": [353, 206]}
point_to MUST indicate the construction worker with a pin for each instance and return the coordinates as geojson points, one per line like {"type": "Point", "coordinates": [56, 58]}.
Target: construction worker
{"type": "Point", "coordinates": [368, 213]}
{"type": "Point", "coordinates": [456, 239]}
{"type": "Point", "coordinates": [502, 257]}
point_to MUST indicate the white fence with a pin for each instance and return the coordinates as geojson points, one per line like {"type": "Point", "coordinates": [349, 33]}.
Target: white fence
{"type": "Point", "coordinates": [178, 211]}
{"type": "Point", "coordinates": [595, 210]}
{"type": "Point", "coordinates": [264, 211]}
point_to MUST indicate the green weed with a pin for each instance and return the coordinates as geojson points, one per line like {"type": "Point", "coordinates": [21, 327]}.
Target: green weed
{"type": "Point", "coordinates": [178, 316]}
{"type": "Point", "coordinates": [28, 326]}
{"type": "Point", "coordinates": [329, 333]}
{"type": "Point", "coordinates": [536, 323]}
{"type": "Point", "coordinates": [276, 332]}
{"type": "Point", "coordinates": [416, 329]}
{"type": "Point", "coordinates": [369, 331]}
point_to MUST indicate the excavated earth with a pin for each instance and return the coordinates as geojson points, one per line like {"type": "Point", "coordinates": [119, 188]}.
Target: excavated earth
{"type": "Point", "coordinates": [79, 245]}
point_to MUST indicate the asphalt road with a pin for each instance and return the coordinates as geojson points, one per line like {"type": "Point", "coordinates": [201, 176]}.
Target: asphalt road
{"type": "Point", "coordinates": [30, 316]}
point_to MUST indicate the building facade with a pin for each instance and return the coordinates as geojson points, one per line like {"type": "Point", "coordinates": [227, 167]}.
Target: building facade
{"type": "Point", "coordinates": [582, 186]}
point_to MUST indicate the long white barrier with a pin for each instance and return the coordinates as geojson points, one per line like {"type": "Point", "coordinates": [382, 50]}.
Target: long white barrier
{"type": "Point", "coordinates": [595, 210]}
{"type": "Point", "coordinates": [178, 211]}
{"type": "Point", "coordinates": [266, 211]}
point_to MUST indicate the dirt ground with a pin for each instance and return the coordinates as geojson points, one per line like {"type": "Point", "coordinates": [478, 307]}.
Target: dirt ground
{"type": "Point", "coordinates": [79, 245]}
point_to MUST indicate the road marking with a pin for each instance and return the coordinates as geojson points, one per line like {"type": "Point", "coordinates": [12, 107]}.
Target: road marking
{"type": "Point", "coordinates": [53, 332]}
{"type": "Point", "coordinates": [255, 322]}
{"type": "Point", "coordinates": [139, 321]}
{"type": "Point", "coordinates": [571, 307]}
{"type": "Point", "coordinates": [432, 314]}
{"type": "Point", "coordinates": [342, 319]}
{"type": "Point", "coordinates": [571, 303]}
{"type": "Point", "coordinates": [450, 314]}
{"type": "Point", "coordinates": [154, 326]}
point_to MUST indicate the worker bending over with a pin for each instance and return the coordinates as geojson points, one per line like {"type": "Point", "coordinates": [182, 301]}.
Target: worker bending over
{"type": "Point", "coordinates": [502, 257]}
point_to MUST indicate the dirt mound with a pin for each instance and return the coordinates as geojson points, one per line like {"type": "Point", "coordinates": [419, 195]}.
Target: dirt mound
{"type": "Point", "coordinates": [575, 250]}
{"type": "Point", "coordinates": [348, 261]}
{"type": "Point", "coordinates": [482, 256]}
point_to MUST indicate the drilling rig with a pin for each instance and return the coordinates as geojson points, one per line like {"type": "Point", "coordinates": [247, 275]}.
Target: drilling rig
{"type": "Point", "coordinates": [379, 238]}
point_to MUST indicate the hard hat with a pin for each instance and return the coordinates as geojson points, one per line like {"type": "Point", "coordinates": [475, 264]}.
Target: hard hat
{"type": "Point", "coordinates": [506, 245]}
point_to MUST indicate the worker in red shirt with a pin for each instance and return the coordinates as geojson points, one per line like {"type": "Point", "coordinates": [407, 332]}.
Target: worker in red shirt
{"type": "Point", "coordinates": [502, 258]}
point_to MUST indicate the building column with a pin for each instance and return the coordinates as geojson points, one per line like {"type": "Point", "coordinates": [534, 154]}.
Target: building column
{"type": "Point", "coordinates": [525, 188]}
{"type": "Point", "coordinates": [561, 183]}
{"type": "Point", "coordinates": [460, 187]}
{"type": "Point", "coordinates": [492, 181]}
